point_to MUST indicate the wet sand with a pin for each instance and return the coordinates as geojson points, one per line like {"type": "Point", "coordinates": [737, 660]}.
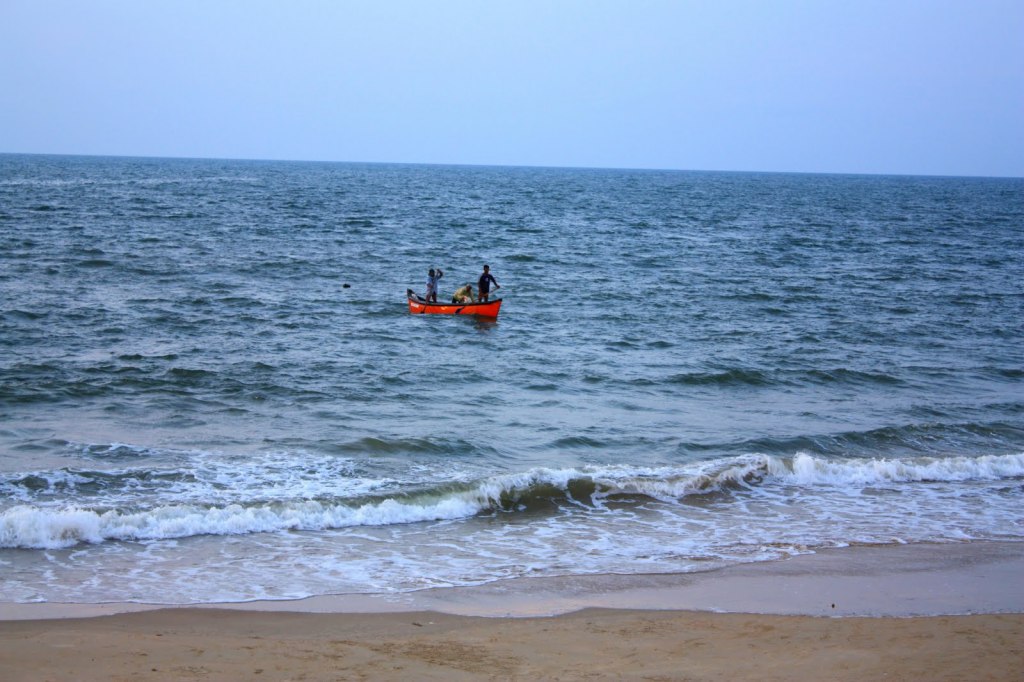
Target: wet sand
{"type": "Point", "coordinates": [881, 592]}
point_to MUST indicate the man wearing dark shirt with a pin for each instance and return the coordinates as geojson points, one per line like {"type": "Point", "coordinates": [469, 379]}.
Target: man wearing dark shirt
{"type": "Point", "coordinates": [483, 286]}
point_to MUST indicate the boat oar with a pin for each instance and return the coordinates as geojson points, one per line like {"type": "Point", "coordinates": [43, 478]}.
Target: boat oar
{"type": "Point", "coordinates": [492, 293]}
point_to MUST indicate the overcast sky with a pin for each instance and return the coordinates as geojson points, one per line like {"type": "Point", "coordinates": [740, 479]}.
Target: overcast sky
{"type": "Point", "coordinates": [894, 86]}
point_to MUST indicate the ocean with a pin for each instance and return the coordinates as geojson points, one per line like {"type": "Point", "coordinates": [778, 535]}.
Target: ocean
{"type": "Point", "coordinates": [690, 370]}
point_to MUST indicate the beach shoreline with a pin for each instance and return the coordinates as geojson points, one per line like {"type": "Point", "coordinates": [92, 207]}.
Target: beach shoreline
{"type": "Point", "coordinates": [937, 579]}
{"type": "Point", "coordinates": [944, 611]}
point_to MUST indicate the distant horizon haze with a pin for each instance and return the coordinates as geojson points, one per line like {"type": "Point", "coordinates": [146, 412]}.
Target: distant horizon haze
{"type": "Point", "coordinates": [907, 87]}
{"type": "Point", "coordinates": [359, 162]}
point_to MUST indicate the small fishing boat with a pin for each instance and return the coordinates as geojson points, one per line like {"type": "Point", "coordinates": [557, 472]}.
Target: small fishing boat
{"type": "Point", "coordinates": [419, 306]}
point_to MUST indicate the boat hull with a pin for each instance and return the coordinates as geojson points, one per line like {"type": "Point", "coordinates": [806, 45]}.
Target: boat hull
{"type": "Point", "coordinates": [418, 306]}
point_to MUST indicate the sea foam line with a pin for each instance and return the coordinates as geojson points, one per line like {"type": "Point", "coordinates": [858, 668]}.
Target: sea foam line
{"type": "Point", "coordinates": [30, 526]}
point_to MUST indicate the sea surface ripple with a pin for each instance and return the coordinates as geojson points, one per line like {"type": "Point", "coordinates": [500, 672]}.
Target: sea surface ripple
{"type": "Point", "coordinates": [210, 382]}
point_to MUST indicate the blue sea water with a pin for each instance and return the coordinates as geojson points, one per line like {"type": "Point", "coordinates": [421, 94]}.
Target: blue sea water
{"type": "Point", "coordinates": [689, 370]}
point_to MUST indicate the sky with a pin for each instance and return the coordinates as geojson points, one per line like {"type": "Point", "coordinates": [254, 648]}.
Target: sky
{"type": "Point", "coordinates": [931, 87]}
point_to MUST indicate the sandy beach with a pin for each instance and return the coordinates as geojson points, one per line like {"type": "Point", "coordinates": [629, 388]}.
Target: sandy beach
{"type": "Point", "coordinates": [665, 645]}
{"type": "Point", "coordinates": [974, 589]}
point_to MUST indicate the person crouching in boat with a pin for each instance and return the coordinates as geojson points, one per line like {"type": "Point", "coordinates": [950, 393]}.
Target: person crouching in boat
{"type": "Point", "coordinates": [464, 295]}
{"type": "Point", "coordinates": [432, 279]}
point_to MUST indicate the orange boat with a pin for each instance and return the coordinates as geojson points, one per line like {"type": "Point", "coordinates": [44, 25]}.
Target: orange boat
{"type": "Point", "coordinates": [419, 306]}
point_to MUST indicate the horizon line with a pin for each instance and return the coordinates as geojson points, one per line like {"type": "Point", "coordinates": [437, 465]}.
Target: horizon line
{"type": "Point", "coordinates": [522, 166]}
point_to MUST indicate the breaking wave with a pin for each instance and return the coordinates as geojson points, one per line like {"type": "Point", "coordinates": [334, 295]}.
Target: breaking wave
{"type": "Point", "coordinates": [33, 525]}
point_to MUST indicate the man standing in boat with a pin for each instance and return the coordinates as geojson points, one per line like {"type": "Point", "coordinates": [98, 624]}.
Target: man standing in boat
{"type": "Point", "coordinates": [432, 284]}
{"type": "Point", "coordinates": [483, 286]}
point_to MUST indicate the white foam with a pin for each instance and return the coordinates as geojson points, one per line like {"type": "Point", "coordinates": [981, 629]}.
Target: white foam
{"type": "Point", "coordinates": [809, 470]}
{"type": "Point", "coordinates": [49, 526]}
{"type": "Point", "coordinates": [31, 527]}
{"type": "Point", "coordinates": [25, 526]}
{"type": "Point", "coordinates": [803, 469]}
